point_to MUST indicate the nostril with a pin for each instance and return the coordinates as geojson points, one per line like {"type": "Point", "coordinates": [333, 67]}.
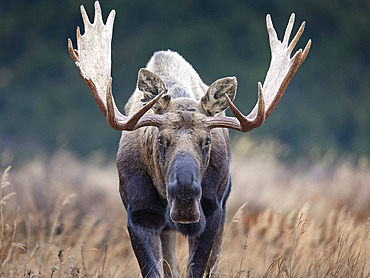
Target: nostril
{"type": "Point", "coordinates": [186, 192]}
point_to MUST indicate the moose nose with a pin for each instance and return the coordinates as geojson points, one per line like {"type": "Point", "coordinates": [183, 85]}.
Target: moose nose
{"type": "Point", "coordinates": [184, 190]}
{"type": "Point", "coordinates": [184, 202]}
{"type": "Point", "coordinates": [184, 181]}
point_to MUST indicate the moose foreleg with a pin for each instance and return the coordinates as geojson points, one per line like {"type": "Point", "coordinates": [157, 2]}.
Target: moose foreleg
{"type": "Point", "coordinates": [145, 218]}
{"type": "Point", "coordinates": [147, 245]}
{"type": "Point", "coordinates": [212, 267]}
{"type": "Point", "coordinates": [200, 247]}
{"type": "Point", "coordinates": [168, 238]}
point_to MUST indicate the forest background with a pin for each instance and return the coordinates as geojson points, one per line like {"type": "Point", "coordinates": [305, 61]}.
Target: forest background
{"type": "Point", "coordinates": [45, 105]}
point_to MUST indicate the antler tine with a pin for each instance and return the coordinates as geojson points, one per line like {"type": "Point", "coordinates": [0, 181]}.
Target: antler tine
{"type": "Point", "coordinates": [72, 52]}
{"type": "Point", "coordinates": [306, 50]}
{"type": "Point", "coordinates": [289, 29]}
{"type": "Point", "coordinates": [98, 15]}
{"type": "Point", "coordinates": [93, 60]}
{"type": "Point", "coordinates": [281, 71]}
{"type": "Point", "coordinates": [85, 18]}
{"type": "Point", "coordinates": [111, 16]}
{"type": "Point", "coordinates": [296, 38]}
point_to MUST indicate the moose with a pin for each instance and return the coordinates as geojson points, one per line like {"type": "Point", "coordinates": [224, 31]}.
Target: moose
{"type": "Point", "coordinates": [174, 155]}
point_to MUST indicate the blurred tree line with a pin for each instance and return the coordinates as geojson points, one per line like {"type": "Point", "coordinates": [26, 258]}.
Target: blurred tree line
{"type": "Point", "coordinates": [45, 105]}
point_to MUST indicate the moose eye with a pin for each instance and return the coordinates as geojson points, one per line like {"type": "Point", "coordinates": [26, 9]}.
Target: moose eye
{"type": "Point", "coordinates": [207, 142]}
{"type": "Point", "coordinates": [160, 140]}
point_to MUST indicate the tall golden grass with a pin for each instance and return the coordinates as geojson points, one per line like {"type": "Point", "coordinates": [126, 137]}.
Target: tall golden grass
{"type": "Point", "coordinates": [63, 217]}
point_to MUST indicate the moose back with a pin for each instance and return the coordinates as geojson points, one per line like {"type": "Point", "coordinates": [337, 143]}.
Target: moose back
{"type": "Point", "coordinates": [174, 154]}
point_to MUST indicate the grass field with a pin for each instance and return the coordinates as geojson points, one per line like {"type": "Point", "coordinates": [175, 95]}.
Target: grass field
{"type": "Point", "coordinates": [63, 217]}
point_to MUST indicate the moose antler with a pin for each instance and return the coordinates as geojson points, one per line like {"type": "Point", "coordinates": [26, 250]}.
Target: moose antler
{"type": "Point", "coordinates": [93, 60]}
{"type": "Point", "coordinates": [281, 70]}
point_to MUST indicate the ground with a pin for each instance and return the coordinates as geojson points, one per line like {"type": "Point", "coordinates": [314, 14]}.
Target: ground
{"type": "Point", "coordinates": [63, 217]}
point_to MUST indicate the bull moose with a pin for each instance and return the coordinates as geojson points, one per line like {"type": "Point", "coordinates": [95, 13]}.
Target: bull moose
{"type": "Point", "coordinates": [174, 154]}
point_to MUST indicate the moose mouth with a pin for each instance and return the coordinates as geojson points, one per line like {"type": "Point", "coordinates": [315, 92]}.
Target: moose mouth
{"type": "Point", "coordinates": [185, 211]}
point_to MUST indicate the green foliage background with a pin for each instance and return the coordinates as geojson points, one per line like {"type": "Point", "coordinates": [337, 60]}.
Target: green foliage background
{"type": "Point", "coordinates": [45, 105]}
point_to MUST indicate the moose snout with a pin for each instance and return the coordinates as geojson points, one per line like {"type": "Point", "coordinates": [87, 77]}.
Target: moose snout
{"type": "Point", "coordinates": [184, 191]}
{"type": "Point", "coordinates": [185, 212]}
{"type": "Point", "coordinates": [184, 202]}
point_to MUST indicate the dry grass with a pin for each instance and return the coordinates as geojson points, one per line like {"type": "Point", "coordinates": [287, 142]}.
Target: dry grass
{"type": "Point", "coordinates": [66, 219]}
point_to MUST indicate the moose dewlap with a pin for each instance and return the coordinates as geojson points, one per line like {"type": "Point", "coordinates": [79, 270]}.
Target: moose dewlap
{"type": "Point", "coordinates": [174, 154]}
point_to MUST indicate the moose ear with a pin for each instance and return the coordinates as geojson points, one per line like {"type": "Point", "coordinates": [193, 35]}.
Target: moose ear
{"type": "Point", "coordinates": [151, 85]}
{"type": "Point", "coordinates": [214, 101]}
